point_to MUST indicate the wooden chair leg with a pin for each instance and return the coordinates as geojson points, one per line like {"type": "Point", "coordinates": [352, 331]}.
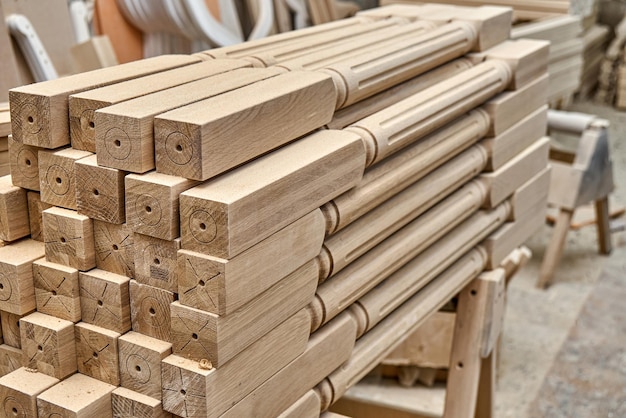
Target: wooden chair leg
{"type": "Point", "coordinates": [487, 386]}
{"type": "Point", "coordinates": [555, 248]}
{"type": "Point", "coordinates": [602, 223]}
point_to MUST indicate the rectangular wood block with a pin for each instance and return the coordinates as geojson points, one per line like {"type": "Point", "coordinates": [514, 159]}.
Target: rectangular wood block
{"type": "Point", "coordinates": [200, 335]}
{"type": "Point", "coordinates": [57, 176]}
{"type": "Point", "coordinates": [19, 390]}
{"type": "Point", "coordinates": [57, 290]}
{"type": "Point", "coordinates": [39, 112]}
{"type": "Point", "coordinates": [529, 195]}
{"type": "Point", "coordinates": [13, 211]}
{"type": "Point", "coordinates": [140, 363]}
{"type": "Point", "coordinates": [127, 403]}
{"type": "Point", "coordinates": [152, 203]}
{"type": "Point", "coordinates": [10, 359]}
{"type": "Point", "coordinates": [125, 131]}
{"type": "Point", "coordinates": [191, 389]}
{"type": "Point", "coordinates": [83, 105]}
{"type": "Point", "coordinates": [155, 262]}
{"type": "Point", "coordinates": [308, 406]}
{"type": "Point", "coordinates": [104, 300]}
{"type": "Point", "coordinates": [150, 310]}
{"type": "Point", "coordinates": [528, 59]}
{"type": "Point", "coordinates": [221, 217]}
{"type": "Point", "coordinates": [222, 286]}
{"type": "Point", "coordinates": [24, 162]}
{"type": "Point", "coordinates": [17, 294]}
{"type": "Point", "coordinates": [35, 217]}
{"type": "Point", "coordinates": [114, 246]}
{"type": "Point", "coordinates": [69, 238]}
{"type": "Point", "coordinates": [97, 354]}
{"type": "Point", "coordinates": [48, 345]}
{"type": "Point", "coordinates": [207, 138]}
{"type": "Point", "coordinates": [99, 191]}
{"type": "Point", "coordinates": [90, 398]}
{"type": "Point", "coordinates": [11, 328]}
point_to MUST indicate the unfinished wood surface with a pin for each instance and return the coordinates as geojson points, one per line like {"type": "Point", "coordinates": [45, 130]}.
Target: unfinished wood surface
{"type": "Point", "coordinates": [207, 138]}
{"type": "Point", "coordinates": [287, 184]}
{"type": "Point", "coordinates": [140, 363]}
{"type": "Point", "coordinates": [114, 246]}
{"type": "Point", "coordinates": [48, 345]}
{"type": "Point", "coordinates": [35, 216]}
{"type": "Point", "coordinates": [125, 131]}
{"type": "Point", "coordinates": [56, 290]}
{"type": "Point", "coordinates": [104, 300]}
{"type": "Point", "coordinates": [531, 195]}
{"type": "Point", "coordinates": [10, 359]}
{"type": "Point", "coordinates": [39, 112]}
{"type": "Point", "coordinates": [308, 406]}
{"type": "Point", "coordinates": [83, 105]}
{"type": "Point", "coordinates": [69, 238]}
{"type": "Point", "coordinates": [155, 261]}
{"type": "Point", "coordinates": [485, 402]}
{"type": "Point", "coordinates": [150, 310]}
{"type": "Point", "coordinates": [223, 286]}
{"type": "Point", "coordinates": [191, 390]}
{"type": "Point", "coordinates": [99, 191]}
{"type": "Point", "coordinates": [602, 225]}
{"type": "Point", "coordinates": [19, 390]}
{"type": "Point", "coordinates": [92, 54]}
{"type": "Point", "coordinates": [24, 163]}
{"type": "Point", "coordinates": [17, 294]}
{"type": "Point", "coordinates": [78, 396]}
{"type": "Point", "coordinates": [57, 176]}
{"type": "Point", "coordinates": [152, 203]}
{"type": "Point", "coordinates": [8, 65]}
{"type": "Point", "coordinates": [11, 329]}
{"type": "Point", "coordinates": [96, 353]}
{"type": "Point", "coordinates": [528, 59]}
{"type": "Point", "coordinates": [201, 335]}
{"type": "Point", "coordinates": [127, 40]}
{"type": "Point", "coordinates": [127, 403]}
{"type": "Point", "coordinates": [14, 222]}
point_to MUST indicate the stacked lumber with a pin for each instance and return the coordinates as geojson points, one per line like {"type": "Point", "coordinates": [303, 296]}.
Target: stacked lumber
{"type": "Point", "coordinates": [5, 131]}
{"type": "Point", "coordinates": [595, 42]}
{"type": "Point", "coordinates": [248, 230]}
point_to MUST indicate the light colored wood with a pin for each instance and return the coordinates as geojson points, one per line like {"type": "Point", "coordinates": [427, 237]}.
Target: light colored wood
{"type": "Point", "coordinates": [104, 300]}
{"type": "Point", "coordinates": [199, 144]}
{"type": "Point", "coordinates": [215, 216]}
{"type": "Point", "coordinates": [14, 222]}
{"type": "Point", "coordinates": [99, 191]}
{"type": "Point", "coordinates": [602, 225]}
{"type": "Point", "coordinates": [5, 121]}
{"type": "Point", "coordinates": [57, 290]}
{"type": "Point", "coordinates": [8, 65]}
{"type": "Point", "coordinates": [24, 163]}
{"type": "Point", "coordinates": [78, 396]}
{"type": "Point", "coordinates": [69, 238]}
{"type": "Point", "coordinates": [125, 131]}
{"type": "Point", "coordinates": [127, 403]}
{"type": "Point", "coordinates": [155, 261]}
{"type": "Point", "coordinates": [223, 286]}
{"type": "Point", "coordinates": [140, 363]}
{"type": "Point", "coordinates": [35, 215]}
{"type": "Point", "coordinates": [11, 329]}
{"type": "Point", "coordinates": [485, 403]}
{"type": "Point", "coordinates": [57, 176]}
{"type": "Point", "coordinates": [531, 196]}
{"type": "Point", "coordinates": [190, 390]}
{"type": "Point", "coordinates": [19, 390]}
{"type": "Point", "coordinates": [554, 251]}
{"type": "Point", "coordinates": [96, 353]}
{"type": "Point", "coordinates": [152, 203]}
{"type": "Point", "coordinates": [48, 345]}
{"type": "Point", "coordinates": [308, 406]}
{"type": "Point", "coordinates": [83, 105]}
{"type": "Point", "coordinates": [114, 246]}
{"type": "Point", "coordinates": [39, 112]}
{"type": "Point", "coordinates": [150, 310]}
{"type": "Point", "coordinates": [10, 359]}
{"type": "Point", "coordinates": [17, 294]}
{"type": "Point", "coordinates": [528, 59]}
{"type": "Point", "coordinates": [201, 335]}
{"type": "Point", "coordinates": [126, 39]}
{"type": "Point", "coordinates": [93, 54]}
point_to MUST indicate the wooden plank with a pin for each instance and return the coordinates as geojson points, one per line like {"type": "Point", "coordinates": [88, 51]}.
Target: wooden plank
{"type": "Point", "coordinates": [207, 138]}
{"type": "Point", "coordinates": [531, 195]}
{"type": "Point", "coordinates": [114, 247]}
{"type": "Point", "coordinates": [104, 300]}
{"type": "Point", "coordinates": [69, 238]}
{"type": "Point", "coordinates": [287, 183]}
{"type": "Point", "coordinates": [150, 310]}
{"type": "Point", "coordinates": [39, 111]}
{"type": "Point", "coordinates": [308, 406]}
{"type": "Point", "coordinates": [24, 162]}
{"type": "Point", "coordinates": [17, 294]}
{"type": "Point", "coordinates": [97, 353]}
{"type": "Point", "coordinates": [127, 403]}
{"type": "Point", "coordinates": [57, 176]}
{"type": "Point", "coordinates": [223, 286]}
{"type": "Point", "coordinates": [19, 390]}
{"type": "Point", "coordinates": [155, 261]}
{"type": "Point", "coordinates": [91, 398]}
{"type": "Point", "coordinates": [35, 215]}
{"type": "Point", "coordinates": [125, 131]}
{"type": "Point", "coordinates": [56, 290]}
{"type": "Point", "coordinates": [99, 191]}
{"type": "Point", "coordinates": [14, 222]}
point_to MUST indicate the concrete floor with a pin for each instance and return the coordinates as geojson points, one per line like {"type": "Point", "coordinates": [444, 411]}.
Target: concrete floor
{"type": "Point", "coordinates": [537, 322]}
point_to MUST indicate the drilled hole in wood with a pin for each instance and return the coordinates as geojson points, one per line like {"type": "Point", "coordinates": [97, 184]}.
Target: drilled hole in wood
{"type": "Point", "coordinates": [459, 365]}
{"type": "Point", "coordinates": [39, 348]}
{"type": "Point", "coordinates": [1, 286]}
{"type": "Point", "coordinates": [152, 311]}
{"type": "Point", "coordinates": [201, 283]}
{"type": "Point", "coordinates": [138, 368]}
{"type": "Point", "coordinates": [117, 143]}
{"type": "Point", "coordinates": [30, 119]}
{"type": "Point", "coordinates": [100, 303]}
{"type": "Point", "coordinates": [28, 162]}
{"type": "Point", "coordinates": [54, 293]}
{"type": "Point", "coordinates": [149, 209]}
{"type": "Point", "coordinates": [59, 180]}
{"type": "Point", "coordinates": [115, 247]}
{"type": "Point", "coordinates": [95, 355]}
{"type": "Point", "coordinates": [156, 261]}
{"type": "Point", "coordinates": [473, 292]}
{"type": "Point", "coordinates": [92, 125]}
{"type": "Point", "coordinates": [202, 226]}
{"type": "Point", "coordinates": [179, 148]}
{"type": "Point", "coordinates": [183, 392]}
{"type": "Point", "coordinates": [63, 240]}
{"type": "Point", "coordinates": [96, 192]}
{"type": "Point", "coordinates": [194, 336]}
{"type": "Point", "coordinates": [14, 410]}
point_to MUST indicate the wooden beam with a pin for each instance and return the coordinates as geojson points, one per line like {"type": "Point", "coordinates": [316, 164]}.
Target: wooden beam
{"type": "Point", "coordinates": [97, 354]}
{"type": "Point", "coordinates": [104, 300]}
{"type": "Point", "coordinates": [69, 238]}
{"type": "Point", "coordinates": [24, 161]}
{"type": "Point", "coordinates": [99, 191]}
{"type": "Point", "coordinates": [57, 177]}
{"type": "Point", "coordinates": [114, 247]}
{"type": "Point", "coordinates": [91, 398]}
{"type": "Point", "coordinates": [19, 390]}
{"type": "Point", "coordinates": [35, 215]}
{"type": "Point", "coordinates": [155, 261]}
{"type": "Point", "coordinates": [150, 310]}
{"type": "Point", "coordinates": [17, 294]}
{"type": "Point", "coordinates": [14, 222]}
{"type": "Point", "coordinates": [127, 403]}
{"type": "Point", "coordinates": [57, 290]}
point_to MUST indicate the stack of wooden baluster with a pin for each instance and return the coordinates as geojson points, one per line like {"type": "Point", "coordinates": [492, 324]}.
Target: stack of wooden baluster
{"type": "Point", "coordinates": [217, 234]}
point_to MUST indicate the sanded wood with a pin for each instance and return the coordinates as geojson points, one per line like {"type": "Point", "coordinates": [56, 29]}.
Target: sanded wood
{"type": "Point", "coordinates": [125, 131]}
{"type": "Point", "coordinates": [39, 112]}
{"type": "Point", "coordinates": [11, 328]}
{"type": "Point", "coordinates": [99, 191]}
{"type": "Point", "coordinates": [201, 335]}
{"type": "Point", "coordinates": [155, 261]}
{"type": "Point", "coordinates": [56, 290]}
{"type": "Point", "coordinates": [48, 345]}
{"type": "Point", "coordinates": [150, 310]}
{"type": "Point", "coordinates": [528, 196]}
{"type": "Point", "coordinates": [92, 54]}
{"type": "Point", "coordinates": [485, 401]}
{"type": "Point", "coordinates": [97, 353]}
{"type": "Point", "coordinates": [17, 294]}
{"type": "Point", "coordinates": [140, 363]}
{"type": "Point", "coordinates": [19, 390]}
{"type": "Point", "coordinates": [69, 238]}
{"type": "Point", "coordinates": [152, 203]}
{"type": "Point", "coordinates": [191, 390]}
{"type": "Point", "coordinates": [35, 215]}
{"type": "Point", "coordinates": [114, 247]}
{"type": "Point", "coordinates": [104, 300]}
{"type": "Point", "coordinates": [10, 359]}
{"type": "Point", "coordinates": [528, 59]}
{"type": "Point", "coordinates": [308, 406]}
{"type": "Point", "coordinates": [14, 222]}
{"type": "Point", "coordinates": [223, 286]}
{"type": "Point", "coordinates": [83, 105]}
{"type": "Point", "coordinates": [57, 177]}
{"type": "Point", "coordinates": [127, 403]}
{"type": "Point", "coordinates": [288, 183]}
{"type": "Point", "coordinates": [78, 396]}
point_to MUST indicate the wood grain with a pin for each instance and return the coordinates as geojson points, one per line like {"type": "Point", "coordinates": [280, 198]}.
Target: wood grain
{"type": "Point", "coordinates": [114, 247]}
{"type": "Point", "coordinates": [99, 191]}
{"type": "Point", "coordinates": [97, 353]}
{"type": "Point", "coordinates": [57, 176]}
{"type": "Point", "coordinates": [35, 215]}
{"type": "Point", "coordinates": [14, 222]}
{"type": "Point", "coordinates": [19, 390]}
{"type": "Point", "coordinates": [24, 163]}
{"type": "Point", "coordinates": [150, 310]}
{"type": "Point", "coordinates": [127, 403]}
{"type": "Point", "coordinates": [155, 261]}
{"type": "Point", "coordinates": [89, 398]}
{"type": "Point", "coordinates": [57, 290]}
{"type": "Point", "coordinates": [17, 294]}
{"type": "Point", "coordinates": [69, 239]}
{"type": "Point", "coordinates": [104, 300]}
